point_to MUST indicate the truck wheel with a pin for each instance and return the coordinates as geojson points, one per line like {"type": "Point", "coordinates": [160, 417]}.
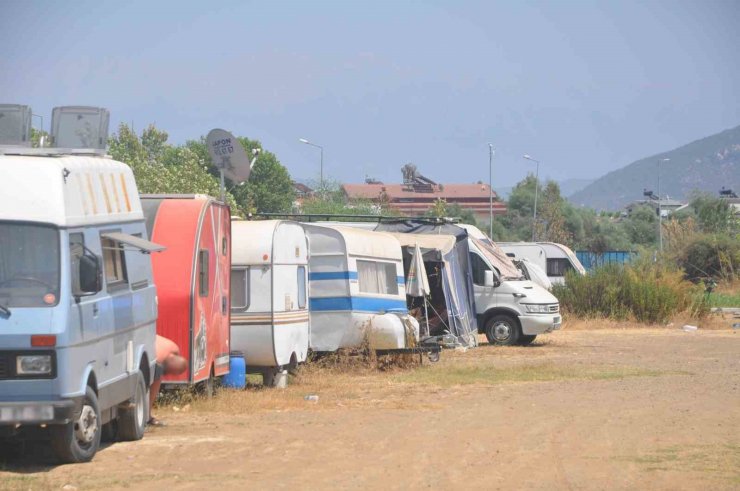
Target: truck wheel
{"type": "Point", "coordinates": [132, 420]}
{"type": "Point", "coordinates": [527, 339]}
{"type": "Point", "coordinates": [78, 441]}
{"type": "Point", "coordinates": [503, 330]}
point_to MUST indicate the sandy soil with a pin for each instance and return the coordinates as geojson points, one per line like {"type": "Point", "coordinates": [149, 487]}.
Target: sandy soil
{"type": "Point", "coordinates": [616, 409]}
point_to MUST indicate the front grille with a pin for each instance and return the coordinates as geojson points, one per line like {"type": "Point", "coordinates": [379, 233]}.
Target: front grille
{"type": "Point", "coordinates": [555, 308]}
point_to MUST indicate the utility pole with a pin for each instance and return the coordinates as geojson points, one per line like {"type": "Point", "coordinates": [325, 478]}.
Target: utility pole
{"type": "Point", "coordinates": [490, 188]}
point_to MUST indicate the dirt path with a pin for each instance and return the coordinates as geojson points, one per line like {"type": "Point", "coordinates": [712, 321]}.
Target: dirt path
{"type": "Point", "coordinates": [649, 409]}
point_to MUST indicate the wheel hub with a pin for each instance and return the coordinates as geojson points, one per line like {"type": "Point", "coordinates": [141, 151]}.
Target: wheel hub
{"type": "Point", "coordinates": [502, 331]}
{"type": "Point", "coordinates": [87, 425]}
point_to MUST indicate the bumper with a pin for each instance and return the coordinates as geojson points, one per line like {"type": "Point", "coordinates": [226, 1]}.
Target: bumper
{"type": "Point", "coordinates": [540, 323]}
{"type": "Point", "coordinates": [38, 412]}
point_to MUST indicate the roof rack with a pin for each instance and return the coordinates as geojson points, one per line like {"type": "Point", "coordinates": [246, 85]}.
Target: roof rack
{"type": "Point", "coordinates": [317, 217]}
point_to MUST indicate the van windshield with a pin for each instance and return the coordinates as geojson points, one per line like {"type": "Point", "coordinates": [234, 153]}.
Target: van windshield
{"type": "Point", "coordinates": [29, 265]}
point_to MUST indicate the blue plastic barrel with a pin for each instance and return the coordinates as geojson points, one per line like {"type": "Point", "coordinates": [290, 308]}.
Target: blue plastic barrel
{"type": "Point", "coordinates": [237, 376]}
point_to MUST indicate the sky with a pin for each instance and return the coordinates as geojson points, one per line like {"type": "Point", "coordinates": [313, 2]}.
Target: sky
{"type": "Point", "coordinates": [585, 87]}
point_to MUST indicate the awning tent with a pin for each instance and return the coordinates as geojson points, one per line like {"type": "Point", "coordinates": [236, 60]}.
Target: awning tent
{"type": "Point", "coordinates": [448, 244]}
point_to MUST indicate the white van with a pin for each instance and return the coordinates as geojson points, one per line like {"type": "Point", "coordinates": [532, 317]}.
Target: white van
{"type": "Point", "coordinates": [511, 310]}
{"type": "Point", "coordinates": [555, 259]}
{"type": "Point", "coordinates": [77, 301]}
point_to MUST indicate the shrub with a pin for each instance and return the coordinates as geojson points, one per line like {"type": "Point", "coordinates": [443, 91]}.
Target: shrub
{"type": "Point", "coordinates": [711, 255]}
{"type": "Point", "coordinates": [643, 291]}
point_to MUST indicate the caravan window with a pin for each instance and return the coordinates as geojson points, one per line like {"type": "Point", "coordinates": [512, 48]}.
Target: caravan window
{"type": "Point", "coordinates": [558, 266]}
{"type": "Point", "coordinates": [377, 277]}
{"type": "Point", "coordinates": [114, 263]}
{"type": "Point", "coordinates": [203, 273]}
{"type": "Point", "coordinates": [301, 287]}
{"type": "Point", "coordinates": [479, 267]}
{"type": "Point", "coordinates": [240, 289]}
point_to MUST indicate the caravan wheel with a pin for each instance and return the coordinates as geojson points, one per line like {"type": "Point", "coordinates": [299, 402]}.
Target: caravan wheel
{"type": "Point", "coordinates": [503, 330]}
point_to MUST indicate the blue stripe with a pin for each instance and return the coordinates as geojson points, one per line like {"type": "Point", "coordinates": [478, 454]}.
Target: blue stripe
{"type": "Point", "coordinates": [357, 304]}
{"type": "Point", "coordinates": [333, 275]}
{"type": "Point", "coordinates": [343, 275]}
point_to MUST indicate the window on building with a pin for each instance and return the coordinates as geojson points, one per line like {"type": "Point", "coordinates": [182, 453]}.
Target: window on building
{"type": "Point", "coordinates": [558, 266]}
{"type": "Point", "coordinates": [377, 277]}
{"type": "Point", "coordinates": [114, 262]}
{"type": "Point", "coordinates": [301, 277]}
{"type": "Point", "coordinates": [239, 289]}
{"type": "Point", "coordinates": [479, 267]}
{"type": "Point", "coordinates": [203, 273]}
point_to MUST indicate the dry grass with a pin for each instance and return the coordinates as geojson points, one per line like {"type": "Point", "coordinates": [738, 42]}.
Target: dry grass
{"type": "Point", "coordinates": [717, 460]}
{"type": "Point", "coordinates": [710, 322]}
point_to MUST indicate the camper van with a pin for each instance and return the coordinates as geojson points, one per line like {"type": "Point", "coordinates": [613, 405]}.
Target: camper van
{"type": "Point", "coordinates": [192, 278]}
{"type": "Point", "coordinates": [511, 310]}
{"type": "Point", "coordinates": [77, 298]}
{"type": "Point", "coordinates": [357, 290]}
{"type": "Point", "coordinates": [554, 259]}
{"type": "Point", "coordinates": [269, 297]}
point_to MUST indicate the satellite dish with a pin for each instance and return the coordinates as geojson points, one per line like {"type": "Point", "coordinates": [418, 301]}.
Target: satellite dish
{"type": "Point", "coordinates": [228, 155]}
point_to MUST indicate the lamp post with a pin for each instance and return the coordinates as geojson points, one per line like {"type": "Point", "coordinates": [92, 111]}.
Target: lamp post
{"type": "Point", "coordinates": [321, 162]}
{"type": "Point", "coordinates": [660, 209]}
{"type": "Point", "coordinates": [491, 151]}
{"type": "Point", "coordinates": [536, 186]}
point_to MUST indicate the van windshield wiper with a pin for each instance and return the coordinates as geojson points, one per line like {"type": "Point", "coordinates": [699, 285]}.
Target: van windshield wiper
{"type": "Point", "coordinates": [5, 311]}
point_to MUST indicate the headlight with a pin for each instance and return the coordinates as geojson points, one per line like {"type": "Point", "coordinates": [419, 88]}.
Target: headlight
{"type": "Point", "coordinates": [534, 308]}
{"type": "Point", "coordinates": [33, 365]}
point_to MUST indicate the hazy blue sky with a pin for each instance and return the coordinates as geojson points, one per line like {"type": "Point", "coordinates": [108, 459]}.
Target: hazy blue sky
{"type": "Point", "coordinates": [585, 86]}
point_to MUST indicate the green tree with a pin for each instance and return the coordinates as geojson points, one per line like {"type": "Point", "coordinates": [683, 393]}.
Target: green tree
{"type": "Point", "coordinates": [714, 215]}
{"type": "Point", "coordinates": [269, 188]}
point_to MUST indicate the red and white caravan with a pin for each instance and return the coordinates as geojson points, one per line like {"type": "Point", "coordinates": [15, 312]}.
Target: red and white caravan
{"type": "Point", "coordinates": [193, 278]}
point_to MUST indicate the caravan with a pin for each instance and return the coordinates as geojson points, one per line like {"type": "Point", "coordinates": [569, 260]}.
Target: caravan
{"type": "Point", "coordinates": [77, 297]}
{"type": "Point", "coordinates": [269, 296]}
{"type": "Point", "coordinates": [192, 278]}
{"type": "Point", "coordinates": [554, 259]}
{"type": "Point", "coordinates": [357, 290]}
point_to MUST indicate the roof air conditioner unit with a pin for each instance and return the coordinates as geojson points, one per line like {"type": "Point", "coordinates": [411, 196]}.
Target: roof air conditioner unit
{"type": "Point", "coordinates": [80, 127]}
{"type": "Point", "coordinates": [15, 125]}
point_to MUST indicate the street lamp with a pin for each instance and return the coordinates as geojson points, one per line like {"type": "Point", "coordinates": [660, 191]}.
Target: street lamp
{"type": "Point", "coordinates": [660, 209]}
{"type": "Point", "coordinates": [321, 162]}
{"type": "Point", "coordinates": [491, 151]}
{"type": "Point", "coordinates": [536, 185]}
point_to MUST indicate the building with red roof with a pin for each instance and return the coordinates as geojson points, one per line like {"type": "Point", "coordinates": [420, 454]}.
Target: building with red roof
{"type": "Point", "coordinates": [417, 194]}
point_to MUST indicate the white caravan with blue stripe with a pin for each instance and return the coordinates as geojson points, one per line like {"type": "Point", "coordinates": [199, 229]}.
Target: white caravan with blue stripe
{"type": "Point", "coordinates": [357, 291]}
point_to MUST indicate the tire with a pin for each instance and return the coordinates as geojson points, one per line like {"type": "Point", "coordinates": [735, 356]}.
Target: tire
{"type": "Point", "coordinates": [503, 330]}
{"type": "Point", "coordinates": [527, 339]}
{"type": "Point", "coordinates": [79, 440]}
{"type": "Point", "coordinates": [132, 420]}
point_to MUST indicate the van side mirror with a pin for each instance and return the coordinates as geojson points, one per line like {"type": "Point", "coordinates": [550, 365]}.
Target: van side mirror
{"type": "Point", "coordinates": [489, 280]}
{"type": "Point", "coordinates": [89, 275]}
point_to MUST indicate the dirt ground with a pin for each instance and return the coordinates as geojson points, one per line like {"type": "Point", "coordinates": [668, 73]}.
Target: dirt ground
{"type": "Point", "coordinates": [580, 409]}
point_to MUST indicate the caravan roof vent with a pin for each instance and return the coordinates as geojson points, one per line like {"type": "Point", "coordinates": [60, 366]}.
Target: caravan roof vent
{"type": "Point", "coordinates": [15, 125]}
{"type": "Point", "coordinates": [80, 127]}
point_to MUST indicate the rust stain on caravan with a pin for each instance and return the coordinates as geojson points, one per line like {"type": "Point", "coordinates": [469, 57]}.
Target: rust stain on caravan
{"type": "Point", "coordinates": [125, 193]}
{"type": "Point", "coordinates": [81, 189]}
{"type": "Point", "coordinates": [115, 192]}
{"type": "Point", "coordinates": [105, 193]}
{"type": "Point", "coordinates": [92, 194]}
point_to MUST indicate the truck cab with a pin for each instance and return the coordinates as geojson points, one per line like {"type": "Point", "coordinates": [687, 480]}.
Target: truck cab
{"type": "Point", "coordinates": [77, 300]}
{"type": "Point", "coordinates": [510, 309]}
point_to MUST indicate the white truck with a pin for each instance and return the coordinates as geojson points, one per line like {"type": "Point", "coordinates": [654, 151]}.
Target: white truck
{"type": "Point", "coordinates": [511, 310]}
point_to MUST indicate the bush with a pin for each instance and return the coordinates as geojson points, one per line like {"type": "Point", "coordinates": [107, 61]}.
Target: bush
{"type": "Point", "coordinates": [642, 291]}
{"type": "Point", "coordinates": [712, 255]}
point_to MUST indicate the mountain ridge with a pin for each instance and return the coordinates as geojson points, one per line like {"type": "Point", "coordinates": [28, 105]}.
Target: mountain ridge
{"type": "Point", "coordinates": [706, 164]}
